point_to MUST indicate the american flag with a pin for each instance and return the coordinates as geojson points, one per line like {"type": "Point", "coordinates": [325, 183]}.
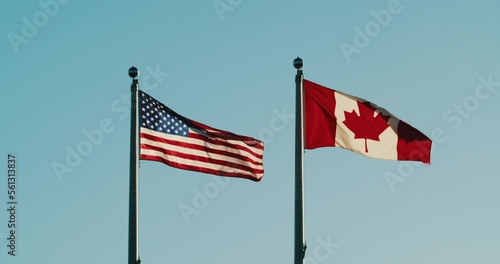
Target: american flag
{"type": "Point", "coordinates": [186, 144]}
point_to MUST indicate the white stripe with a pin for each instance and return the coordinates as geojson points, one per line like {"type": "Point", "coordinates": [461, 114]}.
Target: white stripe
{"type": "Point", "coordinates": [199, 163]}
{"type": "Point", "coordinates": [200, 142]}
{"type": "Point", "coordinates": [200, 153]}
{"type": "Point", "coordinates": [237, 142]}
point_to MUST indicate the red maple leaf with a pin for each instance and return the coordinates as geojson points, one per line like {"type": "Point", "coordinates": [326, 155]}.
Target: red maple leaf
{"type": "Point", "coordinates": [366, 125]}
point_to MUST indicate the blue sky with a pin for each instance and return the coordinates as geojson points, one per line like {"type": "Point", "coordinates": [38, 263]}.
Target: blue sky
{"type": "Point", "coordinates": [228, 64]}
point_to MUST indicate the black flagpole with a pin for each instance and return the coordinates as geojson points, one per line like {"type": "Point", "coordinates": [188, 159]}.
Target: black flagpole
{"type": "Point", "coordinates": [133, 249]}
{"type": "Point", "coordinates": [299, 245]}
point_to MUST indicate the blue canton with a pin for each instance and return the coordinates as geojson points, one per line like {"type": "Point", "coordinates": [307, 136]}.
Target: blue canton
{"type": "Point", "coordinates": [156, 116]}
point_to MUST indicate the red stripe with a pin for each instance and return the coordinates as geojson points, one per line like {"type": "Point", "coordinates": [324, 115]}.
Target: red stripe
{"type": "Point", "coordinates": [202, 159]}
{"type": "Point", "coordinates": [200, 169]}
{"type": "Point", "coordinates": [223, 143]}
{"type": "Point", "coordinates": [218, 135]}
{"type": "Point", "coordinates": [228, 135]}
{"type": "Point", "coordinates": [202, 148]}
{"type": "Point", "coordinates": [413, 144]}
{"type": "Point", "coordinates": [320, 123]}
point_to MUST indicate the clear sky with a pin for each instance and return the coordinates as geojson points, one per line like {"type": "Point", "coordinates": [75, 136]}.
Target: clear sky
{"type": "Point", "coordinates": [228, 64]}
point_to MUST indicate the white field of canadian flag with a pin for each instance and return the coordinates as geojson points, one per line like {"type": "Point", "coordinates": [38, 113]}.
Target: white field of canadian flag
{"type": "Point", "coordinates": [385, 148]}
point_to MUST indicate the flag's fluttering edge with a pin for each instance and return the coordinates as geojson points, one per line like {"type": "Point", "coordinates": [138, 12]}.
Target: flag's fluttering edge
{"type": "Point", "coordinates": [186, 144]}
{"type": "Point", "coordinates": [336, 119]}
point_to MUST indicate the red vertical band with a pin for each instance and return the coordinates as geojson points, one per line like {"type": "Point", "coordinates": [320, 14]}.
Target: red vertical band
{"type": "Point", "coordinates": [413, 144]}
{"type": "Point", "coordinates": [320, 123]}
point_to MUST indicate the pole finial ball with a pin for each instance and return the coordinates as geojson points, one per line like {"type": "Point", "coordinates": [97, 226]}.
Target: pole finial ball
{"type": "Point", "coordinates": [298, 63]}
{"type": "Point", "coordinates": [133, 72]}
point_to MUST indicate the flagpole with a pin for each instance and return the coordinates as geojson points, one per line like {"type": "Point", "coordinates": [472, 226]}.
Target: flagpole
{"type": "Point", "coordinates": [133, 233]}
{"type": "Point", "coordinates": [299, 245]}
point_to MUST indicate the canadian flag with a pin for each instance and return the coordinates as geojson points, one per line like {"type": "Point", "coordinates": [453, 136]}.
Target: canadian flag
{"type": "Point", "coordinates": [335, 119]}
